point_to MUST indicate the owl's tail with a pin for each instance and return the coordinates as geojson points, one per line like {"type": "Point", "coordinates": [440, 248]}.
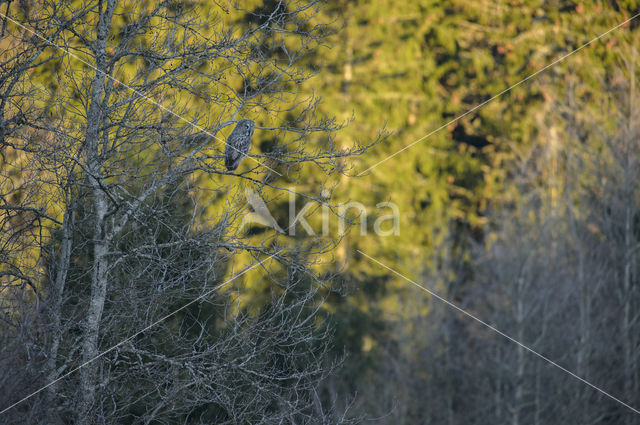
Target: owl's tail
{"type": "Point", "coordinates": [232, 190]}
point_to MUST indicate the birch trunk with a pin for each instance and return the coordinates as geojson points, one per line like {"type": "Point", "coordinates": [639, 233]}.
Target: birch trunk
{"type": "Point", "coordinates": [57, 295]}
{"type": "Point", "coordinates": [100, 232]}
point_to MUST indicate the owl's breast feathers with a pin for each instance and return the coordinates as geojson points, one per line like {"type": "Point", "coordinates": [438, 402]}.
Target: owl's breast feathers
{"type": "Point", "coordinates": [238, 144]}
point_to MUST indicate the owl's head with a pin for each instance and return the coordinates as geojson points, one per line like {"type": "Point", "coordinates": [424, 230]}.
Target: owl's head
{"type": "Point", "coordinates": [246, 123]}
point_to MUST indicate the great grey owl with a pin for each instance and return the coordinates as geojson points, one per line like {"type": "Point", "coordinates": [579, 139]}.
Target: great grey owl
{"type": "Point", "coordinates": [238, 144]}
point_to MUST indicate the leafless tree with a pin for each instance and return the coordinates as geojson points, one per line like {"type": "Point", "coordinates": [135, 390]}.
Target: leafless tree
{"type": "Point", "coordinates": [112, 118]}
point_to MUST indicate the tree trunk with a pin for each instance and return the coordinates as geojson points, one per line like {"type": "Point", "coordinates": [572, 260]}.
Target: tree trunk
{"type": "Point", "coordinates": [56, 299]}
{"type": "Point", "coordinates": [519, 387]}
{"type": "Point", "coordinates": [95, 116]}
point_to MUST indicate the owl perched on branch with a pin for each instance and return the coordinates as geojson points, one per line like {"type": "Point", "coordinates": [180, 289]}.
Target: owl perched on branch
{"type": "Point", "coordinates": [238, 144]}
